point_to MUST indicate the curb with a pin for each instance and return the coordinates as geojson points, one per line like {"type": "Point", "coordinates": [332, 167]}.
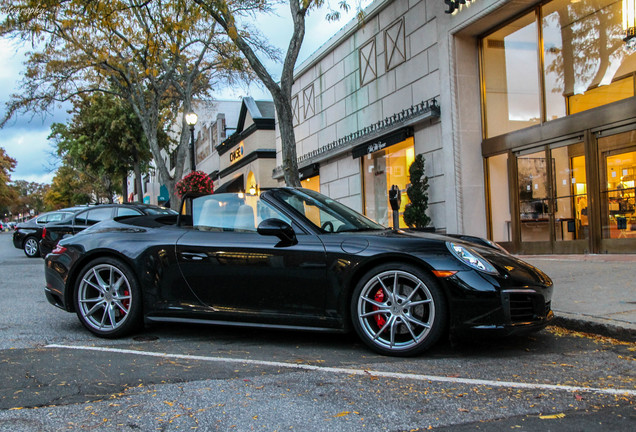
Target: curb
{"type": "Point", "coordinates": [595, 325]}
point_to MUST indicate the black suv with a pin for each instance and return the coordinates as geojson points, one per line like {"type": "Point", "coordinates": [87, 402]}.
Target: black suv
{"type": "Point", "coordinates": [28, 234]}
{"type": "Point", "coordinates": [55, 231]}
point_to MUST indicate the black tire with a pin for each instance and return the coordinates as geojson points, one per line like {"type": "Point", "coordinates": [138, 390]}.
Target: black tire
{"type": "Point", "coordinates": [31, 247]}
{"type": "Point", "coordinates": [398, 310]}
{"type": "Point", "coordinates": [107, 298]}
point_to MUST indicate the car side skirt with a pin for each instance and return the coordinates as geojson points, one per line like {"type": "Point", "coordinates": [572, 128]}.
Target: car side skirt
{"type": "Point", "coordinates": [243, 324]}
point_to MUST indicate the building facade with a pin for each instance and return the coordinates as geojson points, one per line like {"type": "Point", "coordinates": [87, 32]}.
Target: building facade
{"type": "Point", "coordinates": [523, 110]}
{"type": "Point", "coordinates": [247, 158]}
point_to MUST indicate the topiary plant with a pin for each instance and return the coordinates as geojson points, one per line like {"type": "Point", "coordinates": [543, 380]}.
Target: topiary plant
{"type": "Point", "coordinates": [415, 212]}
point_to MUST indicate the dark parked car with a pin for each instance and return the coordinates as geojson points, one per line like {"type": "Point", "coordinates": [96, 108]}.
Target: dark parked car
{"type": "Point", "coordinates": [28, 234]}
{"type": "Point", "coordinates": [292, 258]}
{"type": "Point", "coordinates": [74, 223]}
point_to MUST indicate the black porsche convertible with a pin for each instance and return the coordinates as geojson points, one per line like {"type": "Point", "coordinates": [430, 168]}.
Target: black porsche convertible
{"type": "Point", "coordinates": [292, 258]}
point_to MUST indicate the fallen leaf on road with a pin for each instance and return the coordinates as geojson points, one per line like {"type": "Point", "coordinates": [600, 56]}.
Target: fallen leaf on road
{"type": "Point", "coordinates": [552, 416]}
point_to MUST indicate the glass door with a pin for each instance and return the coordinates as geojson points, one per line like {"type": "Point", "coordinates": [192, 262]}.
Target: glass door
{"type": "Point", "coordinates": [534, 197]}
{"type": "Point", "coordinates": [552, 197]}
{"type": "Point", "coordinates": [618, 191]}
{"type": "Point", "coordinates": [570, 201]}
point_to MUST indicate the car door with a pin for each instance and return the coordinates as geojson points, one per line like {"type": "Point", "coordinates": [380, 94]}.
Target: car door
{"type": "Point", "coordinates": [232, 268]}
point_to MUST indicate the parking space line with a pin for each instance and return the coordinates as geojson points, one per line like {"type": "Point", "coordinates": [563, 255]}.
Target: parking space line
{"type": "Point", "coordinates": [362, 372]}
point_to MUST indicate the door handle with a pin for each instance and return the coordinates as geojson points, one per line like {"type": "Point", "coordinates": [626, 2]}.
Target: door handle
{"type": "Point", "coordinates": [193, 256]}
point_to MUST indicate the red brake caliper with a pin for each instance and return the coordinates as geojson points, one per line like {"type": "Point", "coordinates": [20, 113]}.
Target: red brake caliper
{"type": "Point", "coordinates": [126, 302]}
{"type": "Point", "coordinates": [379, 297]}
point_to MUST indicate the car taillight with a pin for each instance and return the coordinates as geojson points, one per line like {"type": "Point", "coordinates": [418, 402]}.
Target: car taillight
{"type": "Point", "coordinates": [58, 250]}
{"type": "Point", "coordinates": [43, 232]}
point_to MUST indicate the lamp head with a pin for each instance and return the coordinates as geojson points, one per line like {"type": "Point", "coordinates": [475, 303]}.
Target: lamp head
{"type": "Point", "coordinates": [191, 118]}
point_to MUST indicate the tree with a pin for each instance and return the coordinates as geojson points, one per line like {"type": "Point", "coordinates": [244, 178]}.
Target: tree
{"type": "Point", "coordinates": [155, 54]}
{"type": "Point", "coordinates": [228, 14]}
{"type": "Point", "coordinates": [7, 193]}
{"type": "Point", "coordinates": [69, 187]}
{"type": "Point", "coordinates": [105, 140]}
{"type": "Point", "coordinates": [415, 212]}
{"type": "Point", "coordinates": [30, 196]}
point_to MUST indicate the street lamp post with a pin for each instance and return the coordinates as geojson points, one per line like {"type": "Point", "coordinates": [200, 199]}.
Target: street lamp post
{"type": "Point", "coordinates": [191, 120]}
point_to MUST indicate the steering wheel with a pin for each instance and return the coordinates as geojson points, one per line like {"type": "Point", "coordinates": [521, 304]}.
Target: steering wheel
{"type": "Point", "coordinates": [327, 224]}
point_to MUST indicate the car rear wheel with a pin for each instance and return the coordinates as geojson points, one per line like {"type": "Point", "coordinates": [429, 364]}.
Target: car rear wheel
{"type": "Point", "coordinates": [398, 310]}
{"type": "Point", "coordinates": [31, 247]}
{"type": "Point", "coordinates": [108, 298]}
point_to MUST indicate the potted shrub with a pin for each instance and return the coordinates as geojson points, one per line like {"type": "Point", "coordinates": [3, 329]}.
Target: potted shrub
{"type": "Point", "coordinates": [415, 212]}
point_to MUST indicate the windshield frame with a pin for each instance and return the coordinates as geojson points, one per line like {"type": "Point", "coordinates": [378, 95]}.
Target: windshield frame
{"type": "Point", "coordinates": [349, 219]}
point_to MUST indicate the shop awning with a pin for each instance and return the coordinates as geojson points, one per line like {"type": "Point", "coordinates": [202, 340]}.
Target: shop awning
{"type": "Point", "coordinates": [234, 185]}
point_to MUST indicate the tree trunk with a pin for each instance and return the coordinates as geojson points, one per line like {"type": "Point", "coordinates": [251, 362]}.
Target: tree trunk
{"type": "Point", "coordinates": [124, 188]}
{"type": "Point", "coordinates": [288, 143]}
{"type": "Point", "coordinates": [137, 169]}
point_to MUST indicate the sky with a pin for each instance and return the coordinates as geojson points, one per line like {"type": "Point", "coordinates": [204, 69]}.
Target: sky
{"type": "Point", "coordinates": [24, 137]}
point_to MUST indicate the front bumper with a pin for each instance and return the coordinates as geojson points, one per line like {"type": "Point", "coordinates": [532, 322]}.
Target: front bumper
{"type": "Point", "coordinates": [500, 305]}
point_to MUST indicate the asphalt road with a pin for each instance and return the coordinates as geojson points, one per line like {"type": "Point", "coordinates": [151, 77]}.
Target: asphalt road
{"type": "Point", "coordinates": [55, 376]}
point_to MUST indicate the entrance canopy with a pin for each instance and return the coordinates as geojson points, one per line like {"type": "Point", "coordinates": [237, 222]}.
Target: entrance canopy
{"type": "Point", "coordinates": [234, 185]}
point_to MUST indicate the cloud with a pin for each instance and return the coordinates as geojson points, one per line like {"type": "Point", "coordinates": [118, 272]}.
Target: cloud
{"type": "Point", "coordinates": [32, 151]}
{"type": "Point", "coordinates": [24, 137]}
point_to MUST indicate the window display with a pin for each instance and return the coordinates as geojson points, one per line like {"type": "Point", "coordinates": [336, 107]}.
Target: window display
{"type": "Point", "coordinates": [383, 169]}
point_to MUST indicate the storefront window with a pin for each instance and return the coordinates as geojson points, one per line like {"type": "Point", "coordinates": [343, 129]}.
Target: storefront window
{"type": "Point", "coordinates": [383, 169]}
{"type": "Point", "coordinates": [499, 201]}
{"type": "Point", "coordinates": [511, 77]}
{"type": "Point", "coordinates": [618, 192]}
{"type": "Point", "coordinates": [584, 56]}
{"type": "Point", "coordinates": [312, 183]}
{"type": "Point", "coordinates": [585, 64]}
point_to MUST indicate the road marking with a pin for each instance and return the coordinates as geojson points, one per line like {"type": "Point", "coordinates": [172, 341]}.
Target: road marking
{"type": "Point", "coordinates": [362, 372]}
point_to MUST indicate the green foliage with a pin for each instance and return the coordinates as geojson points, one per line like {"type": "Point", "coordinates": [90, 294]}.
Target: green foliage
{"type": "Point", "coordinates": [415, 212]}
{"type": "Point", "coordinates": [104, 140]}
{"type": "Point", "coordinates": [7, 193]}
{"type": "Point", "coordinates": [156, 55]}
{"type": "Point", "coordinates": [69, 188]}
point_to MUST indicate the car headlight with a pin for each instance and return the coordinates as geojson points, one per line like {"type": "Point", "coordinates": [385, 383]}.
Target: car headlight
{"type": "Point", "coordinates": [471, 258]}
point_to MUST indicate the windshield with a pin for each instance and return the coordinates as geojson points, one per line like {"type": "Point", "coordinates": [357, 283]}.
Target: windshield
{"type": "Point", "coordinates": [326, 213]}
{"type": "Point", "coordinates": [232, 212]}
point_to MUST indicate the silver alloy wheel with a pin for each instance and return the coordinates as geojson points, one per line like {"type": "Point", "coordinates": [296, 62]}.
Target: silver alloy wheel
{"type": "Point", "coordinates": [31, 247]}
{"type": "Point", "coordinates": [396, 310]}
{"type": "Point", "coordinates": [104, 297]}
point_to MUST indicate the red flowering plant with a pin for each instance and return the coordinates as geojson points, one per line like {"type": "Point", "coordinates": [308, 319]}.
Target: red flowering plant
{"type": "Point", "coordinates": [196, 182]}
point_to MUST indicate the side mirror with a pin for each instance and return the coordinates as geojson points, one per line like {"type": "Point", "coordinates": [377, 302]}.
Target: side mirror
{"type": "Point", "coordinates": [278, 228]}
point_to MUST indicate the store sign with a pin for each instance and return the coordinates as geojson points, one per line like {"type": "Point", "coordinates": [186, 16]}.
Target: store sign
{"type": "Point", "coordinates": [382, 142]}
{"type": "Point", "coordinates": [456, 5]}
{"type": "Point", "coordinates": [237, 153]}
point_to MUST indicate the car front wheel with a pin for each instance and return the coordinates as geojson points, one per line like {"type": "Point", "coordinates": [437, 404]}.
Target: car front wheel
{"type": "Point", "coordinates": [31, 247]}
{"type": "Point", "coordinates": [398, 310]}
{"type": "Point", "coordinates": [108, 298]}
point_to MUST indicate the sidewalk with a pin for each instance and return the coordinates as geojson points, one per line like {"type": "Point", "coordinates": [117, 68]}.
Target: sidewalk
{"type": "Point", "coordinates": [592, 293]}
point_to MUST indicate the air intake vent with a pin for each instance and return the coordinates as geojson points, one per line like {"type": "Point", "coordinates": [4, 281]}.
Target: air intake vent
{"type": "Point", "coordinates": [522, 308]}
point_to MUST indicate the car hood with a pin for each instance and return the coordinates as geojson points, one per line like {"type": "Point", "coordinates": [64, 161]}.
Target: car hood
{"type": "Point", "coordinates": [506, 264]}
